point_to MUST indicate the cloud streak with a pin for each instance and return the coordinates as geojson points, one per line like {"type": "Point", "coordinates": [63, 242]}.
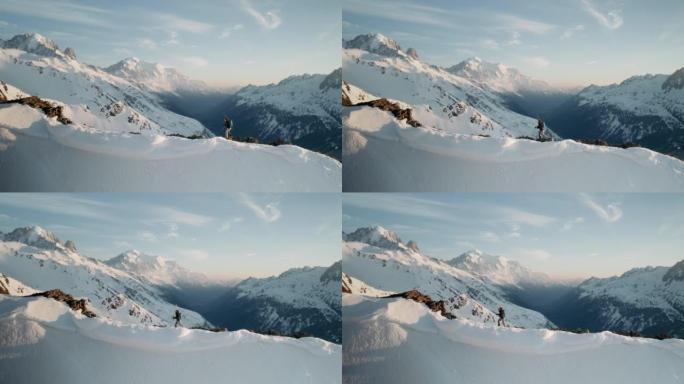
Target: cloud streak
{"type": "Point", "coordinates": [610, 19]}
{"type": "Point", "coordinates": [610, 213]}
{"type": "Point", "coordinates": [268, 213]}
{"type": "Point", "coordinates": [269, 20]}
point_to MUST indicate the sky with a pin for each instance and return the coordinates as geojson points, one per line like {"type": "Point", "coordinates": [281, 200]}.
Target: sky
{"type": "Point", "coordinates": [568, 236]}
{"type": "Point", "coordinates": [223, 42]}
{"type": "Point", "coordinates": [567, 43]}
{"type": "Point", "coordinates": [225, 236]}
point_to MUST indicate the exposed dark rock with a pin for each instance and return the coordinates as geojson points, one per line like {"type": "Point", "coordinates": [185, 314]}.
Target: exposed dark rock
{"type": "Point", "coordinates": [70, 53]}
{"type": "Point", "coordinates": [675, 81]}
{"type": "Point", "coordinates": [676, 273]}
{"type": "Point", "coordinates": [435, 306]}
{"type": "Point", "coordinates": [70, 245]}
{"type": "Point", "coordinates": [394, 108]}
{"type": "Point", "coordinates": [47, 108]}
{"type": "Point", "coordinates": [75, 304]}
{"type": "Point", "coordinates": [411, 52]}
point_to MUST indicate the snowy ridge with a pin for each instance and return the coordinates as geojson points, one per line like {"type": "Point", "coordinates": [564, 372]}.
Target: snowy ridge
{"type": "Point", "coordinates": [438, 98]}
{"type": "Point", "coordinates": [401, 341]}
{"type": "Point", "coordinates": [456, 162]}
{"type": "Point", "coordinates": [390, 265]}
{"type": "Point", "coordinates": [37, 258]}
{"type": "Point", "coordinates": [355, 286]}
{"type": "Point", "coordinates": [38, 331]}
{"type": "Point", "coordinates": [14, 287]}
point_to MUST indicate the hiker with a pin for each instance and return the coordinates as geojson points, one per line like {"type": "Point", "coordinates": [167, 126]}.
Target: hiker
{"type": "Point", "coordinates": [502, 317]}
{"type": "Point", "coordinates": [540, 127]}
{"type": "Point", "coordinates": [228, 125]}
{"type": "Point", "coordinates": [177, 317]}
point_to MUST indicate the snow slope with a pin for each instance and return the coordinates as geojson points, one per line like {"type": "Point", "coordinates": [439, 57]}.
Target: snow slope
{"type": "Point", "coordinates": [401, 341]}
{"type": "Point", "coordinates": [437, 98]}
{"type": "Point", "coordinates": [381, 153]}
{"type": "Point", "coordinates": [39, 154]}
{"type": "Point", "coordinates": [14, 287]}
{"type": "Point", "coordinates": [298, 300]}
{"type": "Point", "coordinates": [42, 341]}
{"type": "Point", "coordinates": [37, 258]}
{"type": "Point", "coordinates": [649, 300]}
{"type": "Point", "coordinates": [380, 259]}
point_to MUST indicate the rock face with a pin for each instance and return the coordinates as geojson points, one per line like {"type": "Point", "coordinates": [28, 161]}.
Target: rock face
{"type": "Point", "coordinates": [412, 53]}
{"type": "Point", "coordinates": [395, 109]}
{"type": "Point", "coordinates": [435, 306]}
{"type": "Point", "coordinates": [70, 53]}
{"type": "Point", "coordinates": [75, 304]}
{"type": "Point", "coordinates": [675, 81]}
{"type": "Point", "coordinates": [47, 108]}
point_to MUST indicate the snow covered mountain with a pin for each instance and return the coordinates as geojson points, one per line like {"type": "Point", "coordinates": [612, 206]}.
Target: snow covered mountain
{"type": "Point", "coordinates": [522, 94]}
{"type": "Point", "coordinates": [303, 110]}
{"type": "Point", "coordinates": [114, 134]}
{"type": "Point", "coordinates": [92, 98]}
{"type": "Point", "coordinates": [401, 341]}
{"type": "Point", "coordinates": [70, 348]}
{"type": "Point", "coordinates": [648, 300]}
{"type": "Point", "coordinates": [380, 259]}
{"type": "Point", "coordinates": [299, 300]}
{"type": "Point", "coordinates": [498, 269]}
{"type": "Point", "coordinates": [437, 98]}
{"type": "Point", "coordinates": [155, 270]}
{"type": "Point", "coordinates": [37, 258]}
{"type": "Point", "coordinates": [154, 76]}
{"type": "Point", "coordinates": [647, 109]}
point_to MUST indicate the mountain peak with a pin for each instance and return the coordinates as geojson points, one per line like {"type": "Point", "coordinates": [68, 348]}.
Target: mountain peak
{"type": "Point", "coordinates": [675, 81]}
{"type": "Point", "coordinates": [676, 273]}
{"type": "Point", "coordinates": [33, 43]}
{"type": "Point", "coordinates": [33, 235]}
{"type": "Point", "coordinates": [375, 43]}
{"type": "Point", "coordinates": [136, 261]}
{"type": "Point", "coordinates": [155, 76]}
{"type": "Point", "coordinates": [375, 235]}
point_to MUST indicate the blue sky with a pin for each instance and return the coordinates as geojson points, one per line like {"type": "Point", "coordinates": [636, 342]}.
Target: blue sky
{"type": "Point", "coordinates": [565, 42]}
{"type": "Point", "coordinates": [224, 42]}
{"type": "Point", "coordinates": [222, 235]}
{"type": "Point", "coordinates": [564, 235]}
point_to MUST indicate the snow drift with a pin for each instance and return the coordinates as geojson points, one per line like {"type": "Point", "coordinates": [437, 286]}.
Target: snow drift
{"type": "Point", "coordinates": [42, 341]}
{"type": "Point", "coordinates": [381, 153]}
{"type": "Point", "coordinates": [401, 341]}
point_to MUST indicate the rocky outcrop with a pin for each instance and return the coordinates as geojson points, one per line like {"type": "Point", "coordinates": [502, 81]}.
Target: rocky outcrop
{"type": "Point", "coordinates": [394, 109]}
{"type": "Point", "coordinates": [75, 304]}
{"type": "Point", "coordinates": [435, 306]}
{"type": "Point", "coordinates": [675, 81]}
{"type": "Point", "coordinates": [47, 107]}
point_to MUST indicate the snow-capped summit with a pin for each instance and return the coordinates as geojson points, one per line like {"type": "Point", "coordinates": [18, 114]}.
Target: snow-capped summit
{"type": "Point", "coordinates": [374, 235]}
{"type": "Point", "coordinates": [156, 270]}
{"type": "Point", "coordinates": [675, 273]}
{"type": "Point", "coordinates": [498, 269]}
{"type": "Point", "coordinates": [33, 43]}
{"type": "Point", "coordinates": [34, 236]}
{"type": "Point", "coordinates": [154, 76]}
{"type": "Point", "coordinates": [498, 77]}
{"type": "Point", "coordinates": [375, 43]}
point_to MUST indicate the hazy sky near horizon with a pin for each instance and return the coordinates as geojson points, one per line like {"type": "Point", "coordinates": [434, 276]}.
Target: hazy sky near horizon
{"type": "Point", "coordinates": [223, 42]}
{"type": "Point", "coordinates": [221, 235]}
{"type": "Point", "coordinates": [564, 235]}
{"type": "Point", "coordinates": [565, 42]}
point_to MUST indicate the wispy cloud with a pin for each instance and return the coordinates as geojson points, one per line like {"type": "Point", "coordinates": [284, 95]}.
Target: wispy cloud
{"type": "Point", "coordinates": [269, 19]}
{"type": "Point", "coordinates": [147, 43]}
{"type": "Point", "coordinates": [522, 24]}
{"type": "Point", "coordinates": [195, 61]}
{"type": "Point", "coordinates": [147, 236]}
{"type": "Point", "coordinates": [535, 254]}
{"type": "Point", "coordinates": [164, 214]}
{"type": "Point", "coordinates": [228, 32]}
{"type": "Point", "coordinates": [195, 254]}
{"type": "Point", "coordinates": [569, 32]}
{"type": "Point", "coordinates": [568, 225]}
{"type": "Point", "coordinates": [609, 213]}
{"type": "Point", "coordinates": [59, 11]}
{"type": "Point", "coordinates": [268, 213]}
{"type": "Point", "coordinates": [173, 22]}
{"type": "Point", "coordinates": [538, 61]}
{"type": "Point", "coordinates": [59, 204]}
{"type": "Point", "coordinates": [610, 19]}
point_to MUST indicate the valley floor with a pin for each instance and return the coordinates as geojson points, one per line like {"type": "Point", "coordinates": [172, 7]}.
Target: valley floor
{"type": "Point", "coordinates": [42, 341]}
{"type": "Point", "coordinates": [401, 341]}
{"type": "Point", "coordinates": [383, 154]}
